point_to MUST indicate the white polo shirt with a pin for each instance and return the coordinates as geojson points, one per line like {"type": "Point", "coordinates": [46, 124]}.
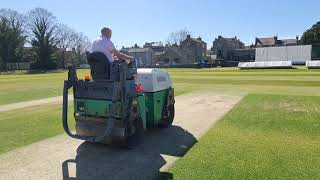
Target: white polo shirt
{"type": "Point", "coordinates": [104, 45]}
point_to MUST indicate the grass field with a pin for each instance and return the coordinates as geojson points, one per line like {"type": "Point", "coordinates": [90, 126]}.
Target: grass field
{"type": "Point", "coordinates": [23, 87]}
{"type": "Point", "coordinates": [25, 126]}
{"type": "Point", "coordinates": [273, 132]}
{"type": "Point", "coordinates": [263, 137]}
{"type": "Point", "coordinates": [232, 81]}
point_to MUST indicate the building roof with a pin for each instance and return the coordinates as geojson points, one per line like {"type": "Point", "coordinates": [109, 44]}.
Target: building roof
{"type": "Point", "coordinates": [197, 40]}
{"type": "Point", "coordinates": [139, 50]}
{"type": "Point", "coordinates": [272, 41]}
{"type": "Point", "coordinates": [235, 39]}
{"type": "Point", "coordinates": [230, 39]}
{"type": "Point", "coordinates": [269, 41]}
{"type": "Point", "coordinates": [288, 41]}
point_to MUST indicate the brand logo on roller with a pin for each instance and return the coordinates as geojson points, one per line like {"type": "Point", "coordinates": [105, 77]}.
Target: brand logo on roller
{"type": "Point", "coordinates": [161, 79]}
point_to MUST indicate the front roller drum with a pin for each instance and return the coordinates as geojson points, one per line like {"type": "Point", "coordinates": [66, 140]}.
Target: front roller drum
{"type": "Point", "coordinates": [95, 127]}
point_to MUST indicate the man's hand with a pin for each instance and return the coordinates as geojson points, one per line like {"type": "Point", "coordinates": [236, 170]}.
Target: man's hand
{"type": "Point", "coordinates": [122, 56]}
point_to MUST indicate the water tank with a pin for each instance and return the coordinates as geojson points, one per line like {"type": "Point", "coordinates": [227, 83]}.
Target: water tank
{"type": "Point", "coordinates": [153, 80]}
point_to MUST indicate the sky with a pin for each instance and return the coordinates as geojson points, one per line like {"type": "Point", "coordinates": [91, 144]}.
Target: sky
{"type": "Point", "coordinates": [139, 21]}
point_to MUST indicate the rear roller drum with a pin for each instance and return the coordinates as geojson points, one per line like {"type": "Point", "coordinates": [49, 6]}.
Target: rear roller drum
{"type": "Point", "coordinates": [137, 137]}
{"type": "Point", "coordinates": [135, 130]}
{"type": "Point", "coordinates": [168, 119]}
{"type": "Point", "coordinates": [168, 110]}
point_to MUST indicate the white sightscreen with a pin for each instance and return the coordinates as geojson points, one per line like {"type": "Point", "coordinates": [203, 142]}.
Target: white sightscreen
{"type": "Point", "coordinates": [313, 64]}
{"type": "Point", "coordinates": [284, 53]}
{"type": "Point", "coordinates": [265, 65]}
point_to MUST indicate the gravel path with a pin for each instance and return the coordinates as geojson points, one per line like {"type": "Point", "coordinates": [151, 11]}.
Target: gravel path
{"type": "Point", "coordinates": [25, 104]}
{"type": "Point", "coordinates": [62, 157]}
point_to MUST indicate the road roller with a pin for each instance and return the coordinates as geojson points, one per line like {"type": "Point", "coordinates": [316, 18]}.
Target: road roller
{"type": "Point", "coordinates": [118, 102]}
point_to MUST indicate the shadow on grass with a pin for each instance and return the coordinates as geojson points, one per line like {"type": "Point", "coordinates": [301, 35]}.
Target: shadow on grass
{"type": "Point", "coordinates": [98, 161]}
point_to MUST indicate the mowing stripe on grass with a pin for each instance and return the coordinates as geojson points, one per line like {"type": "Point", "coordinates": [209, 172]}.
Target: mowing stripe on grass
{"type": "Point", "coordinates": [25, 87]}
{"type": "Point", "coordinates": [264, 136]}
{"type": "Point", "coordinates": [251, 74]}
{"type": "Point", "coordinates": [247, 82]}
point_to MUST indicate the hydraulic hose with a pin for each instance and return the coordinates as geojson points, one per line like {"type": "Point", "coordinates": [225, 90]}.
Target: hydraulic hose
{"type": "Point", "coordinates": [67, 86]}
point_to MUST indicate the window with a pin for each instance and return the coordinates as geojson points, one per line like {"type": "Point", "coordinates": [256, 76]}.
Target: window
{"type": "Point", "coordinates": [188, 57]}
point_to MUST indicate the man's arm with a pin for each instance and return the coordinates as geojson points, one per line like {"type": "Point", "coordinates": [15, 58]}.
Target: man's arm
{"type": "Point", "coordinates": [121, 55]}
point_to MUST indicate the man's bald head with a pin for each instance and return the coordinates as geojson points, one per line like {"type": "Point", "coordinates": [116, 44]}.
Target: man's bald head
{"type": "Point", "coordinates": [106, 32]}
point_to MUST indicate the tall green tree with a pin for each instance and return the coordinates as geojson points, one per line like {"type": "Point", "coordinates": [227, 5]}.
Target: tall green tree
{"type": "Point", "coordinates": [43, 37]}
{"type": "Point", "coordinates": [311, 35]}
{"type": "Point", "coordinates": [12, 37]}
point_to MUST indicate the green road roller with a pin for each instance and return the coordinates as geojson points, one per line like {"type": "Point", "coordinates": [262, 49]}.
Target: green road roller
{"type": "Point", "coordinates": [117, 102]}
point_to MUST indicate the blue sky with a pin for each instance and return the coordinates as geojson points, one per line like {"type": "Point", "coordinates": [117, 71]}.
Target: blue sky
{"type": "Point", "coordinates": [142, 21]}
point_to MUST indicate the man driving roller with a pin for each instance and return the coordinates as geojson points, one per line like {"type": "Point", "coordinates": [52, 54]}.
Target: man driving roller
{"type": "Point", "coordinates": [104, 45]}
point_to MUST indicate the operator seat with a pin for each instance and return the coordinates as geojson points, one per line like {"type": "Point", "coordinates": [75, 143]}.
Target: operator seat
{"type": "Point", "coordinates": [99, 65]}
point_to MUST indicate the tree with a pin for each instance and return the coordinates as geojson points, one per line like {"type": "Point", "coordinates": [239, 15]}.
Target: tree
{"type": "Point", "coordinates": [72, 46]}
{"type": "Point", "coordinates": [43, 37]}
{"type": "Point", "coordinates": [311, 35]}
{"type": "Point", "coordinates": [176, 38]}
{"type": "Point", "coordinates": [65, 35]}
{"type": "Point", "coordinates": [80, 45]}
{"type": "Point", "coordinates": [12, 36]}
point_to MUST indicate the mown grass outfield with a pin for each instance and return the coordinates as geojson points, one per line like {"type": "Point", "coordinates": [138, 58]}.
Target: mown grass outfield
{"type": "Point", "coordinates": [20, 86]}
{"type": "Point", "coordinates": [273, 132]}
{"type": "Point", "coordinates": [23, 87]}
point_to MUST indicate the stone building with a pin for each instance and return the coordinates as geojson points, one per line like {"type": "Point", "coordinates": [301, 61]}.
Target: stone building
{"type": "Point", "coordinates": [155, 46]}
{"type": "Point", "coordinates": [193, 50]}
{"type": "Point", "coordinates": [169, 55]}
{"type": "Point", "coordinates": [225, 48]}
{"type": "Point", "coordinates": [274, 41]}
{"type": "Point", "coordinates": [144, 56]}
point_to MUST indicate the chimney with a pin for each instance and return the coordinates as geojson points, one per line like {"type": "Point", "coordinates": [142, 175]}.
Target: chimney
{"type": "Point", "coordinates": [188, 36]}
{"type": "Point", "coordinates": [199, 38]}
